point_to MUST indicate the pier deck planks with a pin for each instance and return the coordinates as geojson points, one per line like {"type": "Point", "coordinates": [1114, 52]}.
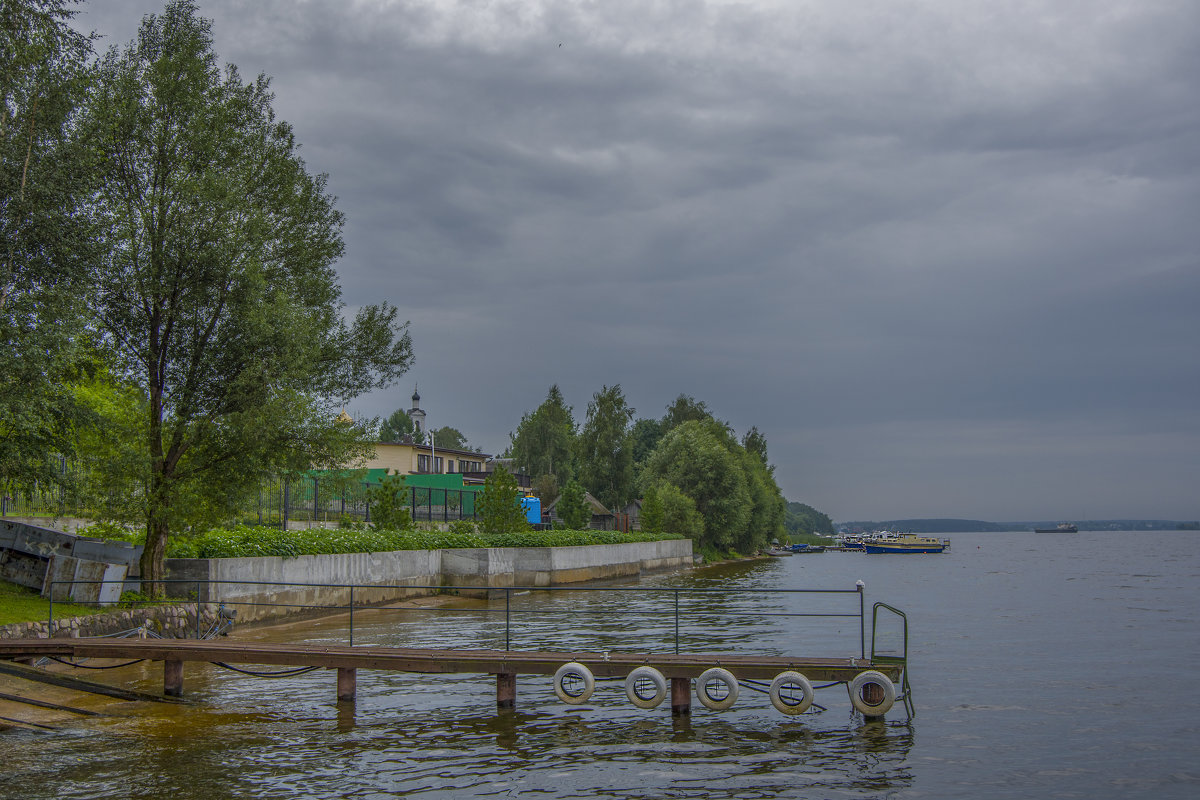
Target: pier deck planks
{"type": "Point", "coordinates": [437, 661]}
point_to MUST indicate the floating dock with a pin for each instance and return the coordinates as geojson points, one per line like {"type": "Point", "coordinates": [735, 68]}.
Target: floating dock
{"type": "Point", "coordinates": [505, 665]}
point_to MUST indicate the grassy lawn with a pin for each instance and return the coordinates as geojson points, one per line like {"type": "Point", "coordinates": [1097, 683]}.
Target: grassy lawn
{"type": "Point", "coordinates": [19, 604]}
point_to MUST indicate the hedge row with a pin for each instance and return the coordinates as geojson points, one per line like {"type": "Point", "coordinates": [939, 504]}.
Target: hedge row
{"type": "Point", "coordinates": [245, 541]}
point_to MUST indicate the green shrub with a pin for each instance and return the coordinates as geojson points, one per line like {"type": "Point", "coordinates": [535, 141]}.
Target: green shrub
{"type": "Point", "coordinates": [573, 508]}
{"type": "Point", "coordinates": [499, 504]}
{"type": "Point", "coordinates": [389, 504]}
{"type": "Point", "coordinates": [243, 541]}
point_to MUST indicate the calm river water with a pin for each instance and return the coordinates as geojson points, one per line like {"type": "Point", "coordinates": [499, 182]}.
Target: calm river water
{"type": "Point", "coordinates": [1051, 665]}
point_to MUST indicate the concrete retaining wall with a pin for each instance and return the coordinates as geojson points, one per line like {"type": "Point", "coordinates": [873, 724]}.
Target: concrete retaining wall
{"type": "Point", "coordinates": [245, 583]}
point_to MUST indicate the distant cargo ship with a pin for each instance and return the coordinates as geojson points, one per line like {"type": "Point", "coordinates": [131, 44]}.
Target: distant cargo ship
{"type": "Point", "coordinates": [1063, 527]}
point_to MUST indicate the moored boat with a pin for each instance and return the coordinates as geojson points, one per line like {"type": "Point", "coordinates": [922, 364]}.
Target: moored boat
{"type": "Point", "coordinates": [907, 543]}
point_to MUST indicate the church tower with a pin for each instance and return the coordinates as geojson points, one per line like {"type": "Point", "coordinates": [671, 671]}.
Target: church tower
{"type": "Point", "coordinates": [417, 415]}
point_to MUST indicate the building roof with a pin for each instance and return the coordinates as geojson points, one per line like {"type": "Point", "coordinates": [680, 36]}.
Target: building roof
{"type": "Point", "coordinates": [408, 442]}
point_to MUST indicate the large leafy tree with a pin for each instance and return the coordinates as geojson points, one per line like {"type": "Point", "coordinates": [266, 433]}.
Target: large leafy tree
{"type": "Point", "coordinates": [543, 442]}
{"type": "Point", "coordinates": [448, 438]}
{"type": "Point", "coordinates": [396, 427]}
{"type": "Point", "coordinates": [606, 449]}
{"type": "Point", "coordinates": [217, 295]}
{"type": "Point", "coordinates": [44, 238]}
{"type": "Point", "coordinates": [697, 458]}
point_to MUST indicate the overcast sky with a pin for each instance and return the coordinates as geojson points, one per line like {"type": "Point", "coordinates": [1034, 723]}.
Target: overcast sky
{"type": "Point", "coordinates": [945, 255]}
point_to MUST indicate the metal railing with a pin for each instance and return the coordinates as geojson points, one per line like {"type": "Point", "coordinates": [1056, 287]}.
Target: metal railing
{"type": "Point", "coordinates": [681, 603]}
{"type": "Point", "coordinates": [900, 658]}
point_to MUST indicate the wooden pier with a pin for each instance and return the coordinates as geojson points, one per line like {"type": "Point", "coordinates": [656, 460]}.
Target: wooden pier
{"type": "Point", "coordinates": [505, 665]}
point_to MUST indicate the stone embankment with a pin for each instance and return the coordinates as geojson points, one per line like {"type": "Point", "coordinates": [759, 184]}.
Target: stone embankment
{"type": "Point", "coordinates": [170, 622]}
{"type": "Point", "coordinates": [267, 588]}
{"type": "Point", "coordinates": [270, 586]}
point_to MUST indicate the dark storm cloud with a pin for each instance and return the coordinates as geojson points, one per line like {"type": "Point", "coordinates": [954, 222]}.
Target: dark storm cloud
{"type": "Point", "coordinates": [943, 254]}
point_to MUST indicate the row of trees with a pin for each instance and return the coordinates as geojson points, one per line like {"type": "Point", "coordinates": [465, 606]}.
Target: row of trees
{"type": "Point", "coordinates": [695, 477]}
{"type": "Point", "coordinates": [167, 291]}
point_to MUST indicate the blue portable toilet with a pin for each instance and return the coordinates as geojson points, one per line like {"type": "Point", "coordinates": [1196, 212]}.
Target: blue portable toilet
{"type": "Point", "coordinates": [532, 506]}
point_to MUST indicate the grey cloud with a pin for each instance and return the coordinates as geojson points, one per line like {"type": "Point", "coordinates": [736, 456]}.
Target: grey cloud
{"type": "Point", "coordinates": [943, 254]}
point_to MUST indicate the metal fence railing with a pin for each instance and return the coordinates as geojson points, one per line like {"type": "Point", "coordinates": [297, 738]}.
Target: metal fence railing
{"type": "Point", "coordinates": [276, 501]}
{"type": "Point", "coordinates": [534, 617]}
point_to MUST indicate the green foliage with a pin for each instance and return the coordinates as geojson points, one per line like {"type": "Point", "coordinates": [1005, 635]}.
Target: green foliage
{"type": "Point", "coordinates": [246, 542]}
{"type": "Point", "coordinates": [132, 599]}
{"type": "Point", "coordinates": [44, 238]}
{"type": "Point", "coordinates": [216, 290]}
{"type": "Point", "coordinates": [685, 408]}
{"type": "Point", "coordinates": [756, 444]}
{"type": "Point", "coordinates": [113, 532]}
{"type": "Point", "coordinates": [396, 427]}
{"type": "Point", "coordinates": [573, 508]}
{"type": "Point", "coordinates": [644, 437]}
{"type": "Point", "coordinates": [606, 449]}
{"type": "Point", "coordinates": [464, 527]}
{"type": "Point", "coordinates": [546, 487]}
{"type": "Point", "coordinates": [767, 505]}
{"type": "Point", "coordinates": [448, 439]}
{"type": "Point", "coordinates": [114, 464]}
{"type": "Point", "coordinates": [499, 505]}
{"type": "Point", "coordinates": [389, 504]}
{"type": "Point", "coordinates": [697, 458]}
{"type": "Point", "coordinates": [800, 519]}
{"type": "Point", "coordinates": [712, 555]}
{"type": "Point", "coordinates": [679, 513]}
{"type": "Point", "coordinates": [653, 512]}
{"type": "Point", "coordinates": [730, 485]}
{"type": "Point", "coordinates": [544, 441]}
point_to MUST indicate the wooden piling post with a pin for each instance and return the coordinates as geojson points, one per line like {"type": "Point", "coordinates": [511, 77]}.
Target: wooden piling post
{"type": "Point", "coordinates": [681, 696]}
{"type": "Point", "coordinates": [506, 690]}
{"type": "Point", "coordinates": [872, 693]}
{"type": "Point", "coordinates": [347, 683]}
{"type": "Point", "coordinates": [173, 678]}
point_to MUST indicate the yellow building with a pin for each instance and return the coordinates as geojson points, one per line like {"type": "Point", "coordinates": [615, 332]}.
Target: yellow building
{"type": "Point", "coordinates": [410, 458]}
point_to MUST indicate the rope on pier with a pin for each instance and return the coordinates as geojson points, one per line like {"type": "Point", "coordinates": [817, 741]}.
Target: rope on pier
{"type": "Point", "coordinates": [141, 631]}
{"type": "Point", "coordinates": [281, 674]}
{"type": "Point", "coordinates": [85, 666]}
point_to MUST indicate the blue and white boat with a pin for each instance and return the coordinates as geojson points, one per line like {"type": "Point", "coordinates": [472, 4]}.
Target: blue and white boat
{"type": "Point", "coordinates": [906, 543]}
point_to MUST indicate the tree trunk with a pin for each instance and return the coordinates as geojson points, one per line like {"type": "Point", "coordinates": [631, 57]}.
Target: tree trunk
{"type": "Point", "coordinates": [153, 561]}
